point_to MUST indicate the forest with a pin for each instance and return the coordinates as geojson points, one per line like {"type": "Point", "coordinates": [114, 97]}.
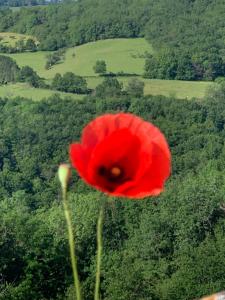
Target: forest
{"type": "Point", "coordinates": [169, 247]}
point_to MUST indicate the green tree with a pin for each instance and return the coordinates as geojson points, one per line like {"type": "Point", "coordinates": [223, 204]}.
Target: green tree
{"type": "Point", "coordinates": [27, 74]}
{"type": "Point", "coordinates": [110, 87]}
{"type": "Point", "coordinates": [9, 70]}
{"type": "Point", "coordinates": [57, 82]}
{"type": "Point", "coordinates": [20, 45]}
{"type": "Point", "coordinates": [100, 67]}
{"type": "Point", "coordinates": [70, 83]}
{"type": "Point", "coordinates": [151, 67]}
{"type": "Point", "coordinates": [135, 87]}
{"type": "Point", "coordinates": [31, 45]}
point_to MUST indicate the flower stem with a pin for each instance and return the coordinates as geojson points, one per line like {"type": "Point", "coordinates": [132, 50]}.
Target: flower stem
{"type": "Point", "coordinates": [99, 252]}
{"type": "Point", "coordinates": [71, 245]}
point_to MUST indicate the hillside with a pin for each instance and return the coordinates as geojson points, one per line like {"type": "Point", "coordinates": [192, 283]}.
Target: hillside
{"type": "Point", "coordinates": [126, 55]}
{"type": "Point", "coordinates": [26, 91]}
{"type": "Point", "coordinates": [10, 38]}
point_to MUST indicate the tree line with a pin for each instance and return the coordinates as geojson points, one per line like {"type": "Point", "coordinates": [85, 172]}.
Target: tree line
{"type": "Point", "coordinates": [11, 72]}
{"type": "Point", "coordinates": [181, 65]}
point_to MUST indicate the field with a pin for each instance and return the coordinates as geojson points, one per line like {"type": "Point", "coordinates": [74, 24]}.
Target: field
{"type": "Point", "coordinates": [127, 55]}
{"type": "Point", "coordinates": [10, 38]}
{"type": "Point", "coordinates": [175, 88]}
{"type": "Point", "coordinates": [24, 90]}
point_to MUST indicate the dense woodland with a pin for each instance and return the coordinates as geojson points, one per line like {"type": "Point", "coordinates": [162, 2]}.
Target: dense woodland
{"type": "Point", "coordinates": [191, 32]}
{"type": "Point", "coordinates": [170, 247]}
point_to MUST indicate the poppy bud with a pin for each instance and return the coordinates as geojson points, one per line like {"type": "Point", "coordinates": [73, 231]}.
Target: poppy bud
{"type": "Point", "coordinates": [64, 173]}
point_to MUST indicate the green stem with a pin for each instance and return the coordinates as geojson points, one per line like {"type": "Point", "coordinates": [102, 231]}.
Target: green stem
{"type": "Point", "coordinates": [99, 252]}
{"type": "Point", "coordinates": [71, 246]}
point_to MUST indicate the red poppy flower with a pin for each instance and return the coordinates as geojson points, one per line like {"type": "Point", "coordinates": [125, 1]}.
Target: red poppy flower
{"type": "Point", "coordinates": [122, 155]}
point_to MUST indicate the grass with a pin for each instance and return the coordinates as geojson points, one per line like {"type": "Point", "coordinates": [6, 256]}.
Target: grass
{"type": "Point", "coordinates": [10, 38]}
{"type": "Point", "coordinates": [26, 91]}
{"type": "Point", "coordinates": [125, 55]}
{"type": "Point", "coordinates": [177, 88]}
{"type": "Point", "coordinates": [119, 54]}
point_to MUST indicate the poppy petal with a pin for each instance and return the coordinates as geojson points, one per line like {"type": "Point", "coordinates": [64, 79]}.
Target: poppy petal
{"type": "Point", "coordinates": [79, 159]}
{"type": "Point", "coordinates": [105, 125]}
{"type": "Point", "coordinates": [152, 182]}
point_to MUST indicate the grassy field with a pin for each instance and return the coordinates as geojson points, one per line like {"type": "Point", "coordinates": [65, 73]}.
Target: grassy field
{"type": "Point", "coordinates": [24, 90]}
{"type": "Point", "coordinates": [176, 88]}
{"type": "Point", "coordinates": [125, 55]}
{"type": "Point", "coordinates": [10, 38]}
{"type": "Point", "coordinates": [120, 55]}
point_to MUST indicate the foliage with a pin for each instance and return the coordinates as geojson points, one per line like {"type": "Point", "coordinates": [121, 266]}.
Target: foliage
{"type": "Point", "coordinates": [110, 87]}
{"type": "Point", "coordinates": [100, 67]}
{"type": "Point", "coordinates": [14, 43]}
{"type": "Point", "coordinates": [170, 64]}
{"type": "Point", "coordinates": [9, 70]}
{"type": "Point", "coordinates": [171, 247]}
{"type": "Point", "coordinates": [135, 87]}
{"type": "Point", "coordinates": [67, 24]}
{"type": "Point", "coordinates": [70, 83]}
{"type": "Point", "coordinates": [30, 45]}
{"type": "Point", "coordinates": [54, 58]}
{"type": "Point", "coordinates": [27, 74]}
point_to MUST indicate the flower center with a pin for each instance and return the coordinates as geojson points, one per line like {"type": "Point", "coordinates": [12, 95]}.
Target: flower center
{"type": "Point", "coordinates": [113, 174]}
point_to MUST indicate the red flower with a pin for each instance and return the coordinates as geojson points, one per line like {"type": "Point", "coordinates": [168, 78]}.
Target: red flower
{"type": "Point", "coordinates": [122, 155]}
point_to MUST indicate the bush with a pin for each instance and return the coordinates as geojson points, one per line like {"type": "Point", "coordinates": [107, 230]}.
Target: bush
{"type": "Point", "coordinates": [27, 74]}
{"type": "Point", "coordinates": [9, 70]}
{"type": "Point", "coordinates": [70, 83]}
{"type": "Point", "coordinates": [100, 67]}
{"type": "Point", "coordinates": [135, 87]}
{"type": "Point", "coordinates": [110, 87]}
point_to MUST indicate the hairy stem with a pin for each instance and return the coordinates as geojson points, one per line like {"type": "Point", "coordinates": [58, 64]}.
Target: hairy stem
{"type": "Point", "coordinates": [99, 252]}
{"type": "Point", "coordinates": [71, 246]}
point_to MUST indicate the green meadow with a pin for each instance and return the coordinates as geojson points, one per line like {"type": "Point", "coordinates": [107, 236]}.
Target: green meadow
{"type": "Point", "coordinates": [176, 88]}
{"type": "Point", "coordinates": [125, 55]}
{"type": "Point", "coordinates": [121, 55]}
{"type": "Point", "coordinates": [26, 91]}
